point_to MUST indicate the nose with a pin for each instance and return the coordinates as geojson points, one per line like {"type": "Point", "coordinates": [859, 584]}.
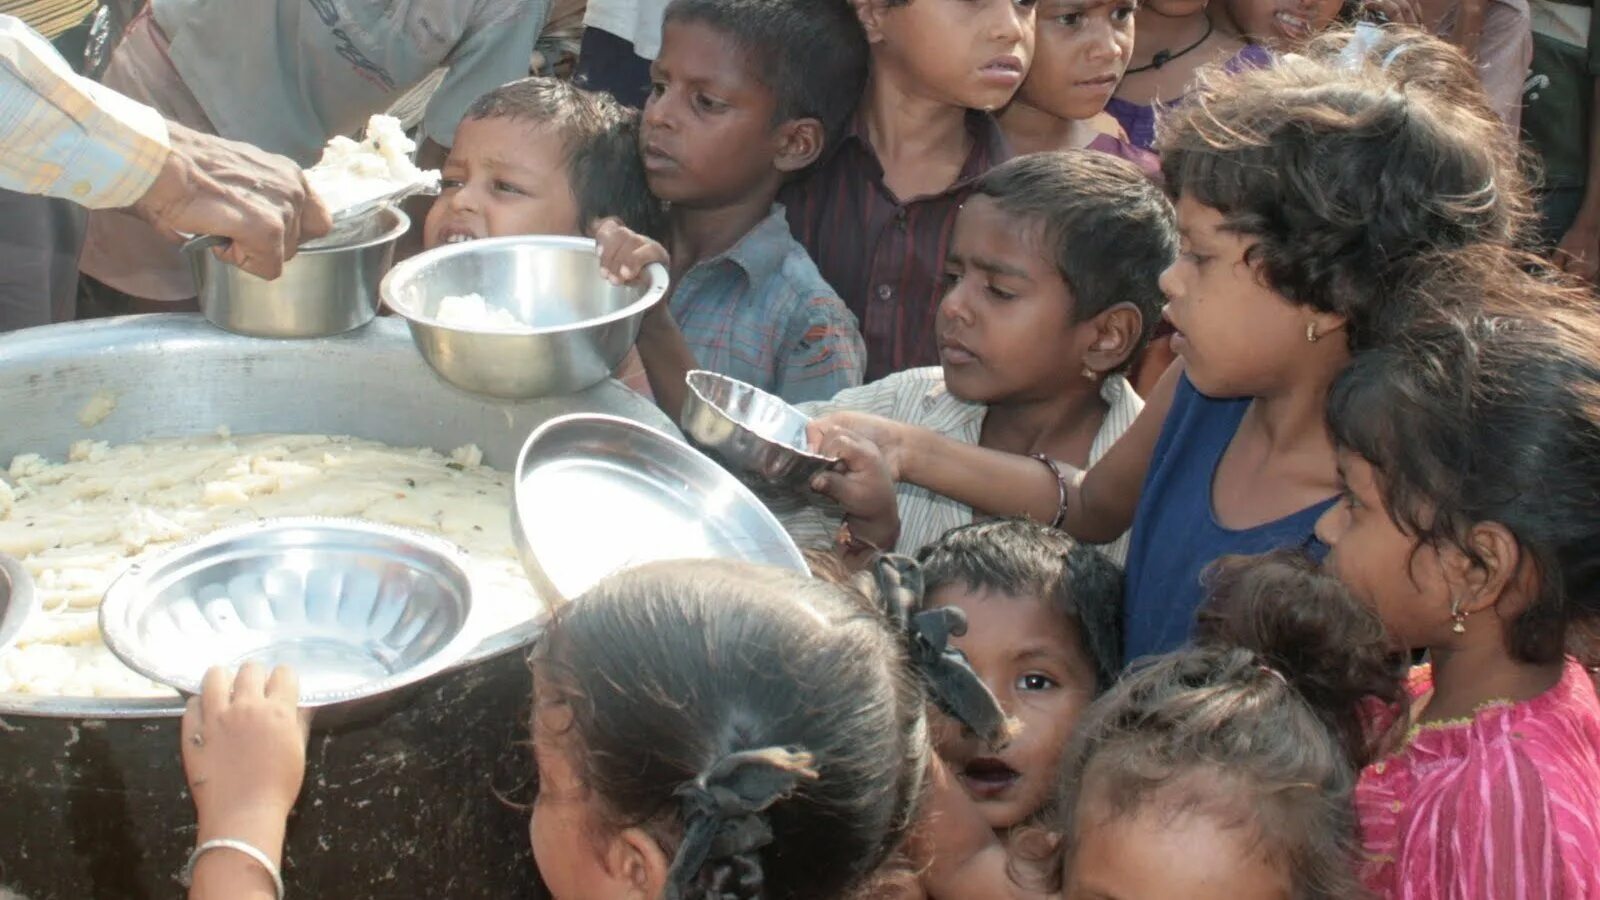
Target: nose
{"type": "Point", "coordinates": [1170, 282]}
{"type": "Point", "coordinates": [657, 109]}
{"type": "Point", "coordinates": [1104, 44]}
{"type": "Point", "coordinates": [955, 305]}
{"type": "Point", "coordinates": [1332, 524]}
{"type": "Point", "coordinates": [1013, 23]}
{"type": "Point", "coordinates": [465, 198]}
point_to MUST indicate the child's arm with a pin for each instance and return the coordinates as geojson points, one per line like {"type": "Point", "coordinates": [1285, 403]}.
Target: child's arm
{"type": "Point", "coordinates": [666, 356]}
{"type": "Point", "coordinates": [860, 483]}
{"type": "Point", "coordinates": [244, 753]}
{"type": "Point", "coordinates": [966, 858]}
{"type": "Point", "coordinates": [1100, 502]}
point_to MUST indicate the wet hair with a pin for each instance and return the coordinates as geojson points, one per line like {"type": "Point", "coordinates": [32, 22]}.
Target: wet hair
{"type": "Point", "coordinates": [601, 140]}
{"type": "Point", "coordinates": [768, 729]}
{"type": "Point", "coordinates": [1492, 414]}
{"type": "Point", "coordinates": [1109, 229]}
{"type": "Point", "coordinates": [1021, 558]}
{"type": "Point", "coordinates": [1344, 176]}
{"type": "Point", "coordinates": [811, 55]}
{"type": "Point", "coordinates": [1236, 728]}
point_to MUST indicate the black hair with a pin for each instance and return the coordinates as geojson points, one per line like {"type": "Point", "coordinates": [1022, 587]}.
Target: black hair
{"type": "Point", "coordinates": [768, 729]}
{"type": "Point", "coordinates": [1022, 558]}
{"type": "Point", "coordinates": [1345, 175]}
{"type": "Point", "coordinates": [601, 140]}
{"type": "Point", "coordinates": [811, 55]}
{"type": "Point", "coordinates": [1492, 414]}
{"type": "Point", "coordinates": [1109, 229]}
{"type": "Point", "coordinates": [1251, 727]}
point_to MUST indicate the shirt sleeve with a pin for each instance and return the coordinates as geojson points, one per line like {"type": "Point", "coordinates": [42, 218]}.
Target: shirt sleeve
{"type": "Point", "coordinates": [823, 352]}
{"type": "Point", "coordinates": [497, 47]}
{"type": "Point", "coordinates": [66, 136]}
{"type": "Point", "coordinates": [1505, 51]}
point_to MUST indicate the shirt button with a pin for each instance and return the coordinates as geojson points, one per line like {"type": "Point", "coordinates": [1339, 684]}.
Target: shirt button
{"type": "Point", "coordinates": [885, 292]}
{"type": "Point", "coordinates": [1378, 768]}
{"type": "Point", "coordinates": [1395, 806]}
{"type": "Point", "coordinates": [81, 189]}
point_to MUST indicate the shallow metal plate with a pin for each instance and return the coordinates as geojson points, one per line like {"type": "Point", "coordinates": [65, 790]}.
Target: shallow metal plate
{"type": "Point", "coordinates": [598, 494]}
{"type": "Point", "coordinates": [17, 599]}
{"type": "Point", "coordinates": [357, 609]}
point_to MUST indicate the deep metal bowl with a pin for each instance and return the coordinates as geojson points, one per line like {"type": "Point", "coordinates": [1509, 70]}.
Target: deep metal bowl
{"type": "Point", "coordinates": [580, 325]}
{"type": "Point", "coordinates": [758, 436]}
{"type": "Point", "coordinates": [598, 494]}
{"type": "Point", "coordinates": [357, 609]}
{"type": "Point", "coordinates": [330, 287]}
{"type": "Point", "coordinates": [17, 600]}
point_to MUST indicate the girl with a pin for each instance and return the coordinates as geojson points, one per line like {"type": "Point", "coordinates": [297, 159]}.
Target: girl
{"type": "Point", "coordinates": [1470, 461]}
{"type": "Point", "coordinates": [1309, 195]}
{"type": "Point", "coordinates": [1282, 24]}
{"type": "Point", "coordinates": [710, 729]}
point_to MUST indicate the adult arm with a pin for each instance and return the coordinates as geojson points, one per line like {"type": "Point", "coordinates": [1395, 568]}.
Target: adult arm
{"type": "Point", "coordinates": [1579, 250]}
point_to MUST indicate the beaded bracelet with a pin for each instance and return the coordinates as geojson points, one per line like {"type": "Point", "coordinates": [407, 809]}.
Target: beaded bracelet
{"type": "Point", "coordinates": [1061, 489]}
{"type": "Point", "coordinates": [186, 877]}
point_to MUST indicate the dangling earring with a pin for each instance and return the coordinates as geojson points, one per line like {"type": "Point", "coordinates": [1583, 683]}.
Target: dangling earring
{"type": "Point", "coordinates": [1311, 333]}
{"type": "Point", "coordinates": [1460, 626]}
{"type": "Point", "coordinates": [1090, 373]}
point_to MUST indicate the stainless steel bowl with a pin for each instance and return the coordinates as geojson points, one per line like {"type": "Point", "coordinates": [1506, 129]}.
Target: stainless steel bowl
{"type": "Point", "coordinates": [357, 609]}
{"type": "Point", "coordinates": [330, 287]}
{"type": "Point", "coordinates": [17, 600]}
{"type": "Point", "coordinates": [757, 435]}
{"type": "Point", "coordinates": [598, 494]}
{"type": "Point", "coordinates": [580, 325]}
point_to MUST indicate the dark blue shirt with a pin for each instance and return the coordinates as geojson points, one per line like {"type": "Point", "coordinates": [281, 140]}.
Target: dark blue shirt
{"type": "Point", "coordinates": [1176, 534]}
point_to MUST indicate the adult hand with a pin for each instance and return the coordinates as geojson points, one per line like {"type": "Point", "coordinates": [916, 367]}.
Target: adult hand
{"type": "Point", "coordinates": [260, 201]}
{"type": "Point", "coordinates": [886, 434]}
{"type": "Point", "coordinates": [1578, 254]}
{"type": "Point", "coordinates": [244, 752]}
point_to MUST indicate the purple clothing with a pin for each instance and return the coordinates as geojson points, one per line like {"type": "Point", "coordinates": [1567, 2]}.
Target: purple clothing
{"type": "Point", "coordinates": [1139, 119]}
{"type": "Point", "coordinates": [1148, 163]}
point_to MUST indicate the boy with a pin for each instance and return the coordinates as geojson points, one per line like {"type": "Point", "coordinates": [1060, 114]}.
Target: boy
{"type": "Point", "coordinates": [877, 215]}
{"type": "Point", "coordinates": [744, 94]}
{"type": "Point", "coordinates": [1043, 613]}
{"type": "Point", "coordinates": [1050, 288]}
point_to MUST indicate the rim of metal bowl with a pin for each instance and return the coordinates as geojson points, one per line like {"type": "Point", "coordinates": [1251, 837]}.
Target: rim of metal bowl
{"type": "Point", "coordinates": [656, 272]}
{"type": "Point", "coordinates": [114, 628]}
{"type": "Point", "coordinates": [691, 380]}
{"type": "Point", "coordinates": [23, 599]}
{"type": "Point", "coordinates": [401, 226]}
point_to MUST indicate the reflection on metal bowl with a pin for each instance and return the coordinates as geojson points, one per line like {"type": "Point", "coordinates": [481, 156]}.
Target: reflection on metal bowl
{"type": "Point", "coordinates": [759, 436]}
{"type": "Point", "coordinates": [16, 599]}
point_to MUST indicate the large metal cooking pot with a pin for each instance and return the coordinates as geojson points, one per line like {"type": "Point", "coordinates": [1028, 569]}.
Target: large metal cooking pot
{"type": "Point", "coordinates": [404, 805]}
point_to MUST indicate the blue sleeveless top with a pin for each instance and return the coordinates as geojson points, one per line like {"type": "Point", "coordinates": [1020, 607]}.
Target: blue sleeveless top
{"type": "Point", "coordinates": [1175, 534]}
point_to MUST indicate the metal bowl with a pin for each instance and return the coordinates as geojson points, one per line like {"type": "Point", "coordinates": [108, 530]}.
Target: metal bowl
{"type": "Point", "coordinates": [17, 600]}
{"type": "Point", "coordinates": [330, 287]}
{"type": "Point", "coordinates": [757, 435]}
{"type": "Point", "coordinates": [357, 609]}
{"type": "Point", "coordinates": [598, 494]}
{"type": "Point", "coordinates": [580, 325]}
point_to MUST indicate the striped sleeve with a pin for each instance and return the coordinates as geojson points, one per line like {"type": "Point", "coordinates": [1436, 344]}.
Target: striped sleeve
{"type": "Point", "coordinates": [66, 136]}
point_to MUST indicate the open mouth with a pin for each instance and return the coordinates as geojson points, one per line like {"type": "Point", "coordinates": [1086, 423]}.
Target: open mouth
{"type": "Point", "coordinates": [1291, 25]}
{"type": "Point", "coordinates": [656, 158]}
{"type": "Point", "coordinates": [988, 777]}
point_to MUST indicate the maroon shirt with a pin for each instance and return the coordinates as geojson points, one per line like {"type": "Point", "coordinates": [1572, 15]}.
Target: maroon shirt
{"type": "Point", "coordinates": [884, 256]}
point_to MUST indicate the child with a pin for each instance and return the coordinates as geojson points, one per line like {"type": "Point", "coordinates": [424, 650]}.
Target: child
{"type": "Point", "coordinates": [878, 213]}
{"type": "Point", "coordinates": [1177, 39]}
{"type": "Point", "coordinates": [663, 772]}
{"type": "Point", "coordinates": [1469, 456]}
{"type": "Point", "coordinates": [1282, 24]}
{"type": "Point", "coordinates": [539, 156]}
{"type": "Point", "coordinates": [1042, 613]}
{"type": "Point", "coordinates": [1081, 50]}
{"type": "Point", "coordinates": [1218, 772]}
{"type": "Point", "coordinates": [745, 94]}
{"type": "Point", "coordinates": [1050, 291]}
{"type": "Point", "coordinates": [1309, 195]}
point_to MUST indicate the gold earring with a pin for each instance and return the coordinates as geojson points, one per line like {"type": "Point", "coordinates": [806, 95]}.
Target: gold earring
{"type": "Point", "coordinates": [1090, 374]}
{"type": "Point", "coordinates": [1311, 333]}
{"type": "Point", "coordinates": [1460, 626]}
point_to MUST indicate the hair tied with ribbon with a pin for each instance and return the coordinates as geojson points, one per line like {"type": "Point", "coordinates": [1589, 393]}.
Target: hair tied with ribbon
{"type": "Point", "coordinates": [949, 679]}
{"type": "Point", "coordinates": [724, 808]}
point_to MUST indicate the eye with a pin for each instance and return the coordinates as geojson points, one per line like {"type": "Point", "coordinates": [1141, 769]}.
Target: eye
{"type": "Point", "coordinates": [1036, 681]}
{"type": "Point", "coordinates": [1071, 19]}
{"type": "Point", "coordinates": [657, 88]}
{"type": "Point", "coordinates": [997, 293]}
{"type": "Point", "coordinates": [949, 280]}
{"type": "Point", "coordinates": [1025, 4]}
{"type": "Point", "coordinates": [506, 187]}
{"type": "Point", "coordinates": [707, 104]}
{"type": "Point", "coordinates": [1125, 13]}
{"type": "Point", "coordinates": [450, 184]}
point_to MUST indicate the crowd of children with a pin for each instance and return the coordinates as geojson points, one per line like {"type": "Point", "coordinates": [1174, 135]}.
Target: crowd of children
{"type": "Point", "coordinates": [1304, 614]}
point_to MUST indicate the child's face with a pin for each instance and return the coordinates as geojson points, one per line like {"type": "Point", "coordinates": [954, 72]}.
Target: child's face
{"type": "Point", "coordinates": [1006, 324]}
{"type": "Point", "coordinates": [968, 53]}
{"type": "Point", "coordinates": [1400, 578]}
{"type": "Point", "coordinates": [1283, 23]}
{"type": "Point", "coordinates": [1083, 49]}
{"type": "Point", "coordinates": [1236, 335]}
{"type": "Point", "coordinates": [503, 177]}
{"type": "Point", "coordinates": [1030, 656]}
{"type": "Point", "coordinates": [707, 133]}
{"type": "Point", "coordinates": [1154, 854]}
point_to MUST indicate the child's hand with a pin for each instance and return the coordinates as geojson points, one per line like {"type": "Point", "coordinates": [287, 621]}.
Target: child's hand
{"type": "Point", "coordinates": [860, 483]}
{"type": "Point", "coordinates": [886, 434]}
{"type": "Point", "coordinates": [625, 253]}
{"type": "Point", "coordinates": [244, 751]}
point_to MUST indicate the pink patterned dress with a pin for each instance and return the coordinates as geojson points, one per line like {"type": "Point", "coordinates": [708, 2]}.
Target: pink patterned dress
{"type": "Point", "coordinates": [1502, 806]}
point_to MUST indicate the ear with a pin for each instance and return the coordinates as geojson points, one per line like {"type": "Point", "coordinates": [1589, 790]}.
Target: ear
{"type": "Point", "coordinates": [1328, 323]}
{"type": "Point", "coordinates": [800, 143]}
{"type": "Point", "coordinates": [1116, 337]}
{"type": "Point", "coordinates": [871, 13]}
{"type": "Point", "coordinates": [1494, 580]}
{"type": "Point", "coordinates": [635, 860]}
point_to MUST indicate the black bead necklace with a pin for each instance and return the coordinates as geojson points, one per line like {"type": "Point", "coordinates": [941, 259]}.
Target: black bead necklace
{"type": "Point", "coordinates": [1163, 57]}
